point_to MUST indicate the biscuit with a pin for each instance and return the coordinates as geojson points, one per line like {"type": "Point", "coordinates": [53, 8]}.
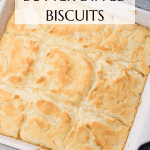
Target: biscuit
{"type": "Point", "coordinates": [72, 87]}
{"type": "Point", "coordinates": [13, 104]}
{"type": "Point", "coordinates": [116, 90]}
{"type": "Point", "coordinates": [96, 132]}
{"type": "Point", "coordinates": [46, 123]}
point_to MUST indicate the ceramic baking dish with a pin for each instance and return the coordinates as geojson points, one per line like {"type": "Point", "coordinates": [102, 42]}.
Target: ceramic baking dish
{"type": "Point", "coordinates": [140, 130]}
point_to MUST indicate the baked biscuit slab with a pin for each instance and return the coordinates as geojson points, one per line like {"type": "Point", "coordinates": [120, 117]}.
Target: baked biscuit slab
{"type": "Point", "coordinates": [72, 87]}
{"type": "Point", "coordinates": [128, 43]}
{"type": "Point", "coordinates": [18, 55]}
{"type": "Point", "coordinates": [116, 91]}
{"type": "Point", "coordinates": [47, 124]}
{"type": "Point", "coordinates": [88, 38]}
{"type": "Point", "coordinates": [13, 103]}
{"type": "Point", "coordinates": [96, 132]}
{"type": "Point", "coordinates": [80, 38]}
{"type": "Point", "coordinates": [65, 74]}
{"type": "Point", "coordinates": [133, 49]}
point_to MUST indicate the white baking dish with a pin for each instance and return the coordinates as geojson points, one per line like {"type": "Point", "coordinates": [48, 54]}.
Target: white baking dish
{"type": "Point", "coordinates": [140, 131]}
{"type": "Point", "coordinates": [6, 8]}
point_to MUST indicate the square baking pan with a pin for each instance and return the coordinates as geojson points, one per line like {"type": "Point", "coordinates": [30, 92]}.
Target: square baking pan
{"type": "Point", "coordinates": [140, 131]}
